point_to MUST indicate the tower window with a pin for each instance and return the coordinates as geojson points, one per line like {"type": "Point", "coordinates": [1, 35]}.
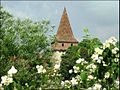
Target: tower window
{"type": "Point", "coordinates": [62, 44]}
{"type": "Point", "coordinates": [71, 44]}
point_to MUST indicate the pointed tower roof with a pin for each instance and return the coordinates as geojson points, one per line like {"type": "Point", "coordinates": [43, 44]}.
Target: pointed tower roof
{"type": "Point", "coordinates": [64, 33]}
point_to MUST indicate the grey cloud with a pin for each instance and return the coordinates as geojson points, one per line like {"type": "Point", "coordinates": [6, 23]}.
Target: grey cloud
{"type": "Point", "coordinates": [101, 17]}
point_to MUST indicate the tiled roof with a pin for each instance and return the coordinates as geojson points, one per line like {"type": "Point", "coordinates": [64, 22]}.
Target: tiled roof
{"type": "Point", "coordinates": [64, 33]}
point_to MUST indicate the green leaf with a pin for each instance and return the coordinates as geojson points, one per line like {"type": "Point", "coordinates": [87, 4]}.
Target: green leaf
{"type": "Point", "coordinates": [84, 75]}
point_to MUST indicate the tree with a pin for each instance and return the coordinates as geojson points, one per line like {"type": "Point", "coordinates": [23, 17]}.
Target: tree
{"type": "Point", "coordinates": [22, 39]}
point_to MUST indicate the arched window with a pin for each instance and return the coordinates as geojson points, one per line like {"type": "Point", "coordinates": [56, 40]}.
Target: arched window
{"type": "Point", "coordinates": [62, 44]}
{"type": "Point", "coordinates": [71, 44]}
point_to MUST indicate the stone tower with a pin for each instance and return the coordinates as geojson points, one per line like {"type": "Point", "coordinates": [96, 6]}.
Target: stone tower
{"type": "Point", "coordinates": [64, 36]}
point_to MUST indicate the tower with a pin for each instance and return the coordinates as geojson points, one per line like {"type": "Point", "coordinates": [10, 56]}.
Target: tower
{"type": "Point", "coordinates": [64, 36]}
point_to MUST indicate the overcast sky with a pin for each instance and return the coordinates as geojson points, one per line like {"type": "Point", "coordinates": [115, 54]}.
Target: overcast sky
{"type": "Point", "coordinates": [100, 17]}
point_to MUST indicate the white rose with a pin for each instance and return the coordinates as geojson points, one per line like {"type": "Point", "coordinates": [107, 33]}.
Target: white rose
{"type": "Point", "coordinates": [80, 60]}
{"type": "Point", "coordinates": [57, 66]}
{"type": "Point", "coordinates": [85, 62]}
{"type": "Point", "coordinates": [75, 71]}
{"type": "Point", "coordinates": [104, 89]}
{"type": "Point", "coordinates": [70, 71]}
{"type": "Point", "coordinates": [112, 40]}
{"type": "Point", "coordinates": [41, 67]}
{"type": "Point", "coordinates": [6, 80]}
{"type": "Point", "coordinates": [97, 87]}
{"type": "Point", "coordinates": [114, 51]}
{"type": "Point", "coordinates": [117, 49]}
{"type": "Point", "coordinates": [81, 70]}
{"type": "Point", "coordinates": [117, 82]}
{"type": "Point", "coordinates": [101, 57]}
{"type": "Point", "coordinates": [107, 75]}
{"type": "Point", "coordinates": [116, 59]}
{"type": "Point", "coordinates": [88, 67]}
{"type": "Point", "coordinates": [78, 77]}
{"type": "Point", "coordinates": [26, 84]}
{"type": "Point", "coordinates": [82, 63]}
{"type": "Point", "coordinates": [98, 50]}
{"type": "Point", "coordinates": [44, 71]}
{"type": "Point", "coordinates": [62, 83]}
{"type": "Point", "coordinates": [90, 77]}
{"type": "Point", "coordinates": [74, 81]}
{"type": "Point", "coordinates": [1, 88]}
{"type": "Point", "coordinates": [98, 61]}
{"type": "Point", "coordinates": [94, 56]}
{"type": "Point", "coordinates": [39, 70]}
{"type": "Point", "coordinates": [104, 63]}
{"type": "Point", "coordinates": [37, 66]}
{"type": "Point", "coordinates": [90, 88]}
{"type": "Point", "coordinates": [10, 80]}
{"type": "Point", "coordinates": [94, 66]}
{"type": "Point", "coordinates": [12, 70]}
{"type": "Point", "coordinates": [106, 44]}
{"type": "Point", "coordinates": [40, 88]}
{"type": "Point", "coordinates": [76, 68]}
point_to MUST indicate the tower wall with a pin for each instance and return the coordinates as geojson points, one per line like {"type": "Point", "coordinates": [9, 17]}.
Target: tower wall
{"type": "Point", "coordinates": [63, 46]}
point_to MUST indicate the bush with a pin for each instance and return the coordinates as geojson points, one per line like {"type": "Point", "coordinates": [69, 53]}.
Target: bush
{"type": "Point", "coordinates": [84, 50]}
{"type": "Point", "coordinates": [101, 72]}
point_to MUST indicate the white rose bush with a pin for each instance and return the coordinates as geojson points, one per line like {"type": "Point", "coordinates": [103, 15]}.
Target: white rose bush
{"type": "Point", "coordinates": [6, 80]}
{"type": "Point", "coordinates": [96, 74]}
{"type": "Point", "coordinates": [100, 73]}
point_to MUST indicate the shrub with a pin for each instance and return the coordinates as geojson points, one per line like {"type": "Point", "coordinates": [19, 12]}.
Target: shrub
{"type": "Point", "coordinates": [101, 72]}
{"type": "Point", "coordinates": [84, 50]}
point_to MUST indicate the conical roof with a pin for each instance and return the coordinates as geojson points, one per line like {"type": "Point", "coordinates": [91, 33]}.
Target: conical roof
{"type": "Point", "coordinates": [64, 33]}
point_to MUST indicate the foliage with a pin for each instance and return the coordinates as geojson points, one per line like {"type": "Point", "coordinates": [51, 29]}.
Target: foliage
{"type": "Point", "coordinates": [101, 72]}
{"type": "Point", "coordinates": [68, 60]}
{"type": "Point", "coordinates": [84, 50]}
{"type": "Point", "coordinates": [25, 38]}
{"type": "Point", "coordinates": [24, 44]}
{"type": "Point", "coordinates": [87, 34]}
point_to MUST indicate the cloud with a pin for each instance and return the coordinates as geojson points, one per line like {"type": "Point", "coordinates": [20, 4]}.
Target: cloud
{"type": "Point", "coordinates": [19, 14]}
{"type": "Point", "coordinates": [15, 10]}
{"type": "Point", "coordinates": [101, 17]}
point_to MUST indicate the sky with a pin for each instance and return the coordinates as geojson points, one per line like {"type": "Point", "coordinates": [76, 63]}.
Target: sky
{"type": "Point", "coordinates": [100, 17]}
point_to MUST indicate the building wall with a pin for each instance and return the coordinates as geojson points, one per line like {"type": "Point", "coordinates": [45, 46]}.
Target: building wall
{"type": "Point", "coordinates": [63, 46]}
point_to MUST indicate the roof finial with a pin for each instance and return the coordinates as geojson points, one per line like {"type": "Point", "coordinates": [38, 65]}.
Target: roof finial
{"type": "Point", "coordinates": [64, 9]}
